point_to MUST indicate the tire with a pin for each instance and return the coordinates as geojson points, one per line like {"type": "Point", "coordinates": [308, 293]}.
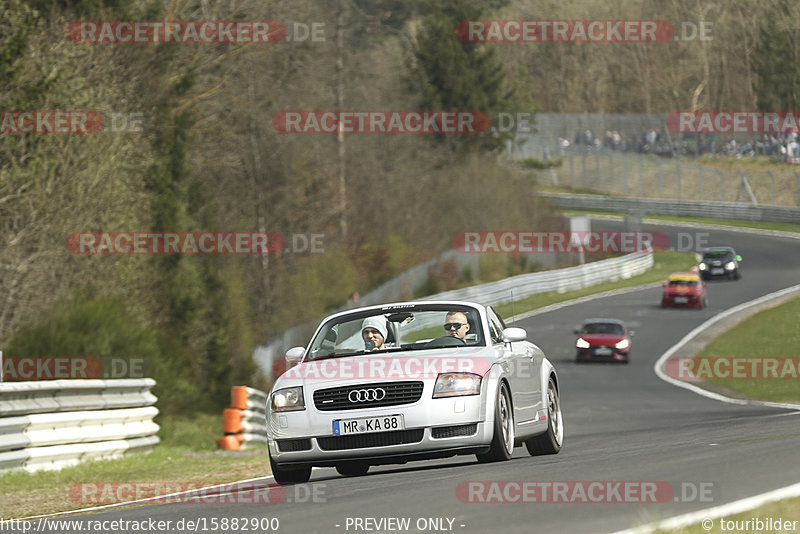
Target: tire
{"type": "Point", "coordinates": [287, 476]}
{"type": "Point", "coordinates": [352, 469]}
{"type": "Point", "coordinates": [550, 442]}
{"type": "Point", "coordinates": [502, 446]}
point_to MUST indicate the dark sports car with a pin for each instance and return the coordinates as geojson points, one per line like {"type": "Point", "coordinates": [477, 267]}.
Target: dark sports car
{"type": "Point", "coordinates": [720, 262]}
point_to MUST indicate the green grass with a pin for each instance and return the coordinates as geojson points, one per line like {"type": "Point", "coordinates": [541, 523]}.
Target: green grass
{"type": "Point", "coordinates": [784, 227]}
{"type": "Point", "coordinates": [665, 263]}
{"type": "Point", "coordinates": [788, 509]}
{"type": "Point", "coordinates": [771, 333]}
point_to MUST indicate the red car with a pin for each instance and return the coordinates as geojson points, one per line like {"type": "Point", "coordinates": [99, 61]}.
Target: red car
{"type": "Point", "coordinates": [684, 290]}
{"type": "Point", "coordinates": [603, 340]}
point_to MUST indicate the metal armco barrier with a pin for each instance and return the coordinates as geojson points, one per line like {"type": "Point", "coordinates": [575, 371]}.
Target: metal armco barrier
{"type": "Point", "coordinates": [710, 210]}
{"type": "Point", "coordinates": [245, 422]}
{"type": "Point", "coordinates": [561, 280]}
{"type": "Point", "coordinates": [57, 423]}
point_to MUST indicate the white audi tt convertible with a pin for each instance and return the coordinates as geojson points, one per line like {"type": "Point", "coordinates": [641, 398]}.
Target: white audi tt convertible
{"type": "Point", "coordinates": [411, 381]}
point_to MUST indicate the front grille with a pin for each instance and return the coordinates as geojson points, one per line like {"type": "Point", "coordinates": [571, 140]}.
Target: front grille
{"type": "Point", "coordinates": [377, 439]}
{"type": "Point", "coordinates": [396, 393]}
{"type": "Point", "coordinates": [289, 445]}
{"type": "Point", "coordinates": [454, 431]}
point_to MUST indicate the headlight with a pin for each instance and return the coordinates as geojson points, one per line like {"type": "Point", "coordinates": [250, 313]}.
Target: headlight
{"type": "Point", "coordinates": [455, 384]}
{"type": "Point", "coordinates": [582, 343]}
{"type": "Point", "coordinates": [623, 344]}
{"type": "Point", "coordinates": [730, 266]}
{"type": "Point", "coordinates": [288, 400]}
{"type": "Point", "coordinates": [702, 267]}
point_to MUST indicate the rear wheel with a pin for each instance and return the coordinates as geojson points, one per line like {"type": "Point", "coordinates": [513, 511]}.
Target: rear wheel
{"type": "Point", "coordinates": [285, 475]}
{"type": "Point", "coordinates": [502, 446]}
{"type": "Point", "coordinates": [549, 442]}
{"type": "Point", "coordinates": [352, 469]}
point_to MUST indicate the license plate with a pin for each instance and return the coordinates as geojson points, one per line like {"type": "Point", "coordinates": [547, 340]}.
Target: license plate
{"type": "Point", "coordinates": [603, 351]}
{"type": "Point", "coordinates": [681, 300]}
{"type": "Point", "coordinates": [717, 271]}
{"type": "Point", "coordinates": [365, 425]}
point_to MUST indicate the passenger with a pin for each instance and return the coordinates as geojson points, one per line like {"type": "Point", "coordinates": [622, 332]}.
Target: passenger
{"type": "Point", "coordinates": [373, 331]}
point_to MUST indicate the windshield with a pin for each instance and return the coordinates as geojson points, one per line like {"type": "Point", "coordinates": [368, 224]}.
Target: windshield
{"type": "Point", "coordinates": [603, 328]}
{"type": "Point", "coordinates": [717, 254]}
{"type": "Point", "coordinates": [407, 328]}
{"type": "Point", "coordinates": [683, 282]}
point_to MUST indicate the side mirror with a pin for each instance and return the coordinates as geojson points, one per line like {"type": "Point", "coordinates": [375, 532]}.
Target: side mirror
{"type": "Point", "coordinates": [293, 356]}
{"type": "Point", "coordinates": [631, 333]}
{"type": "Point", "coordinates": [663, 284]}
{"type": "Point", "coordinates": [738, 258]}
{"type": "Point", "coordinates": [576, 331]}
{"type": "Point", "coordinates": [513, 334]}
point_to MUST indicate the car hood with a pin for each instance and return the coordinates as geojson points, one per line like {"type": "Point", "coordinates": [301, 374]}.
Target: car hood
{"type": "Point", "coordinates": [602, 339]}
{"type": "Point", "coordinates": [396, 365]}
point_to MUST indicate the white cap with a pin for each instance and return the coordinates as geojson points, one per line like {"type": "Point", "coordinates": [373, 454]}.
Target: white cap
{"type": "Point", "coordinates": [377, 322]}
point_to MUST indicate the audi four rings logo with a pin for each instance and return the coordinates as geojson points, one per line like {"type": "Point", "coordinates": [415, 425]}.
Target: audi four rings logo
{"type": "Point", "coordinates": [365, 395]}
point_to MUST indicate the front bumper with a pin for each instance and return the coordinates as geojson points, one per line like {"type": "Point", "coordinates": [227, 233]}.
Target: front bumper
{"type": "Point", "coordinates": [433, 428]}
{"type": "Point", "coordinates": [602, 354]}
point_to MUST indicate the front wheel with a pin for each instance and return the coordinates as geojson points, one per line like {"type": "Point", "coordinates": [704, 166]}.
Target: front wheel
{"type": "Point", "coordinates": [285, 476]}
{"type": "Point", "coordinates": [549, 442]}
{"type": "Point", "coordinates": [502, 446]}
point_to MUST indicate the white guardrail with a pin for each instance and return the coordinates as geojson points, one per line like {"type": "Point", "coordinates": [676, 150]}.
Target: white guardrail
{"type": "Point", "coordinates": [687, 208]}
{"type": "Point", "coordinates": [52, 424]}
{"type": "Point", "coordinates": [560, 280]}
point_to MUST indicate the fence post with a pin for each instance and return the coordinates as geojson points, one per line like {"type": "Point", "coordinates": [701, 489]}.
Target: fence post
{"type": "Point", "coordinates": [612, 181]}
{"type": "Point", "coordinates": [571, 168]}
{"type": "Point", "coordinates": [596, 170]}
{"type": "Point", "coordinates": [721, 186]}
{"type": "Point", "coordinates": [678, 168]}
{"type": "Point", "coordinates": [797, 189]}
{"type": "Point", "coordinates": [702, 184]}
{"type": "Point", "coordinates": [625, 173]}
{"type": "Point", "coordinates": [583, 162]}
{"type": "Point", "coordinates": [771, 188]}
{"type": "Point", "coordinates": [641, 176]}
{"type": "Point", "coordinates": [660, 178]}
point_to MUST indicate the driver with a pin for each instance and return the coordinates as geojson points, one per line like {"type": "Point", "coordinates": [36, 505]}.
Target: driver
{"type": "Point", "coordinates": [456, 325]}
{"type": "Point", "coordinates": [373, 332]}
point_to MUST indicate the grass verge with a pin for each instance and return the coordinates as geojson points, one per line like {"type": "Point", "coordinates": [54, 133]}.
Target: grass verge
{"type": "Point", "coordinates": [771, 333]}
{"type": "Point", "coordinates": [786, 510]}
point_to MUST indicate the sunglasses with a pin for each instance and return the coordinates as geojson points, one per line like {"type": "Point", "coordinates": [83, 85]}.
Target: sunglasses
{"type": "Point", "coordinates": [454, 326]}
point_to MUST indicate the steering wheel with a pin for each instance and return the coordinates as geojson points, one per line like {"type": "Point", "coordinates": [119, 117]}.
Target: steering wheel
{"type": "Point", "coordinates": [445, 341]}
